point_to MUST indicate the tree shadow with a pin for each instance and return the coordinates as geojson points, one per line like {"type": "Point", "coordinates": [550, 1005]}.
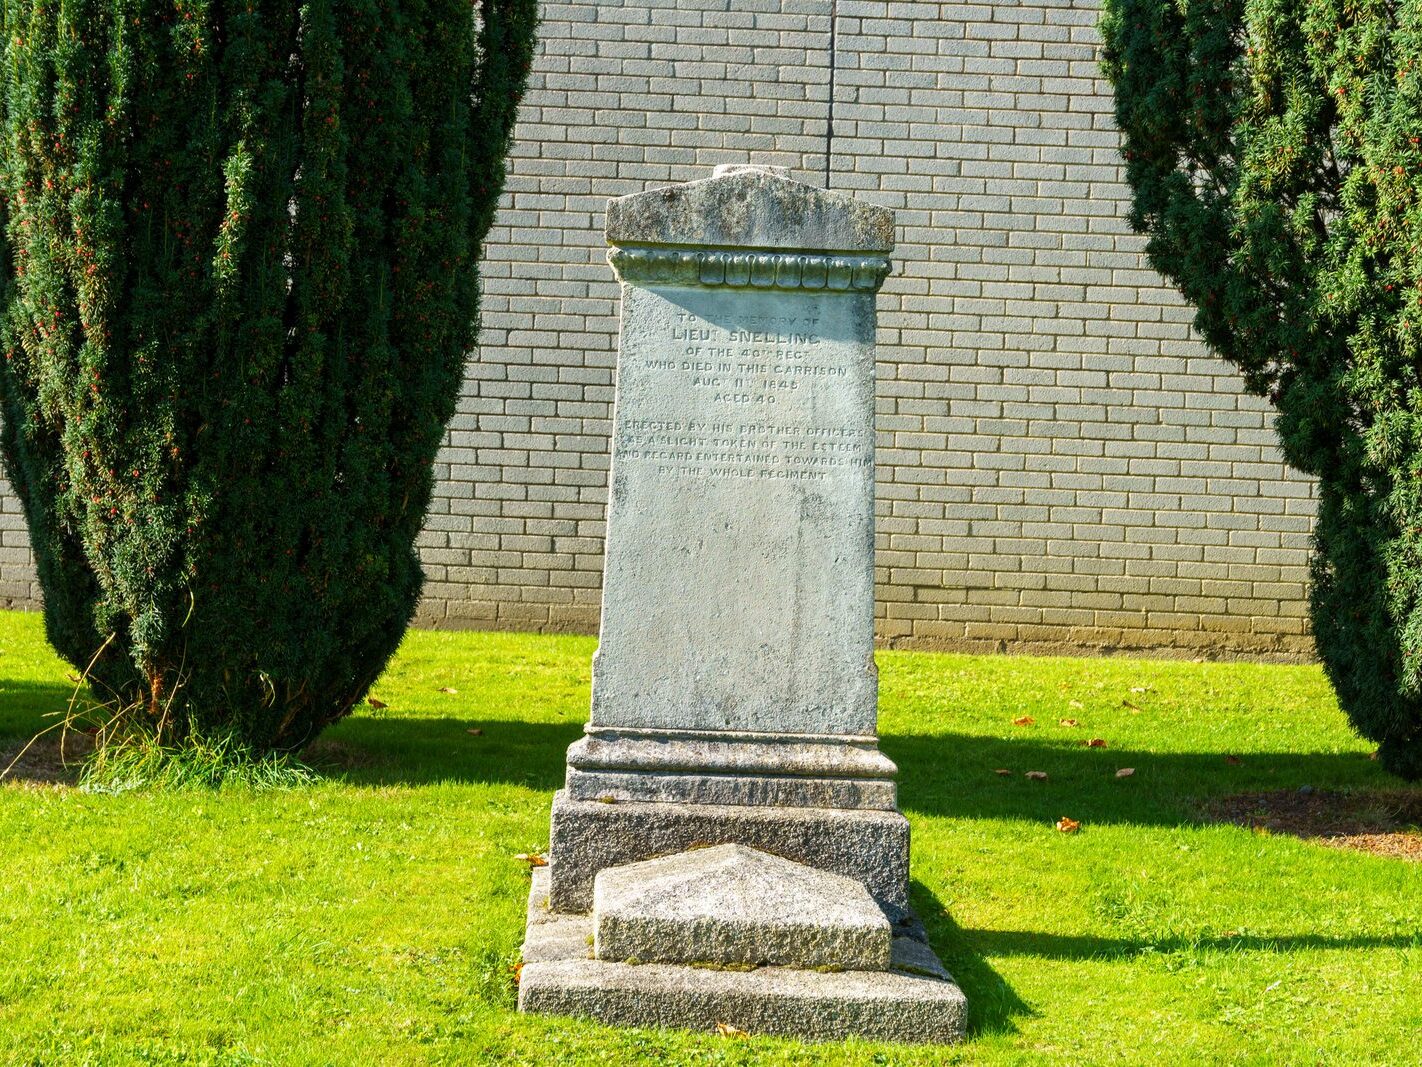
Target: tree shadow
{"type": "Point", "coordinates": [993, 1004]}
{"type": "Point", "coordinates": [26, 708]}
{"type": "Point", "coordinates": [1086, 947]}
{"type": "Point", "coordinates": [367, 750]}
{"type": "Point", "coordinates": [956, 775]}
{"type": "Point", "coordinates": [34, 747]}
{"type": "Point", "coordinates": [950, 775]}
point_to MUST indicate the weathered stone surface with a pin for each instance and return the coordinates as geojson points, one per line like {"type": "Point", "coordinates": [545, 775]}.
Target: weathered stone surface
{"type": "Point", "coordinates": [558, 935]}
{"type": "Point", "coordinates": [769, 769]}
{"type": "Point", "coordinates": [735, 905]}
{"type": "Point", "coordinates": [725, 752]}
{"type": "Point", "coordinates": [750, 207]}
{"type": "Point", "coordinates": [738, 593]}
{"type": "Point", "coordinates": [871, 847]}
{"type": "Point", "coordinates": [765, 790]}
{"type": "Point", "coordinates": [909, 1006]}
{"type": "Point", "coordinates": [722, 170]}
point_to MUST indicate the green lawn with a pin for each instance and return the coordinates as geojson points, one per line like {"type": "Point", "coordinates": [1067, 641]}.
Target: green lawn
{"type": "Point", "coordinates": [374, 918]}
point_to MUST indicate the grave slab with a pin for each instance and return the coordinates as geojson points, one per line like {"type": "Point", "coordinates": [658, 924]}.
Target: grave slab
{"type": "Point", "coordinates": [730, 904]}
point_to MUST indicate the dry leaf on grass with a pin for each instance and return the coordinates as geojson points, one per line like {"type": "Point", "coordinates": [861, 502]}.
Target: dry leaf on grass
{"type": "Point", "coordinates": [1025, 720]}
{"type": "Point", "coordinates": [1125, 772]}
{"type": "Point", "coordinates": [475, 731]}
{"type": "Point", "coordinates": [1233, 761]}
{"type": "Point", "coordinates": [727, 1030]}
{"type": "Point", "coordinates": [1036, 776]}
{"type": "Point", "coordinates": [533, 859]}
{"type": "Point", "coordinates": [1078, 705]}
{"type": "Point", "coordinates": [1066, 722]}
{"type": "Point", "coordinates": [378, 705]}
{"type": "Point", "coordinates": [1095, 742]}
{"type": "Point", "coordinates": [449, 689]}
{"type": "Point", "coordinates": [1133, 707]}
{"type": "Point", "coordinates": [1003, 772]}
{"type": "Point", "coordinates": [1141, 689]}
{"type": "Point", "coordinates": [1068, 826]}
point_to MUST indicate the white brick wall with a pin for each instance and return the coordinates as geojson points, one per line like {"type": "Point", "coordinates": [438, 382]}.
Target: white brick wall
{"type": "Point", "coordinates": [1062, 466]}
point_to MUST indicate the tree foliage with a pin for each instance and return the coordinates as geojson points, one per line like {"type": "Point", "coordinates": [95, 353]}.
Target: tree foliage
{"type": "Point", "coordinates": [1274, 151]}
{"type": "Point", "coordinates": [239, 282]}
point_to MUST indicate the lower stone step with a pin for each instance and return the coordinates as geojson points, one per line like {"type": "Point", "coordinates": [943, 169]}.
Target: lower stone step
{"type": "Point", "coordinates": [915, 1001]}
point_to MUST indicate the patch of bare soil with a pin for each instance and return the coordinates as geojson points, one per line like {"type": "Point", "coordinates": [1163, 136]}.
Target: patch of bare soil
{"type": "Point", "coordinates": [1383, 822]}
{"type": "Point", "coordinates": [48, 760]}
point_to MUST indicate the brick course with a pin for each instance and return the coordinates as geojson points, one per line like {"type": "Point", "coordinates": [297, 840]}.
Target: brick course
{"type": "Point", "coordinates": [1062, 465]}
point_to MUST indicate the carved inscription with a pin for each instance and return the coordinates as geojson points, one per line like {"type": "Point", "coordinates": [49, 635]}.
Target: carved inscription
{"type": "Point", "coordinates": [747, 380]}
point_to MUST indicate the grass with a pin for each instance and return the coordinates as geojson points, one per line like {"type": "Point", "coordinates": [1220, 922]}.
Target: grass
{"type": "Point", "coordinates": [374, 916]}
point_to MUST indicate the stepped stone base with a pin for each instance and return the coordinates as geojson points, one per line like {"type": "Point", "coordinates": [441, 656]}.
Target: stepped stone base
{"type": "Point", "coordinates": [870, 846]}
{"type": "Point", "coordinates": [915, 1001]}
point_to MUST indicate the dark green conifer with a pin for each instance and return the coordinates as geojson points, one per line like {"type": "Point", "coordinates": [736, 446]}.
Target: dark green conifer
{"type": "Point", "coordinates": [241, 241]}
{"type": "Point", "coordinates": [1274, 150]}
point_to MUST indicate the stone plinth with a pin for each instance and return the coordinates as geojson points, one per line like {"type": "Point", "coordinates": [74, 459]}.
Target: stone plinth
{"type": "Point", "coordinates": [735, 905]}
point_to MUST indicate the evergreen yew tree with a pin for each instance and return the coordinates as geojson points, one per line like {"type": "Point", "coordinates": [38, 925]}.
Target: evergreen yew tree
{"type": "Point", "coordinates": [1274, 151]}
{"type": "Point", "coordinates": [240, 245]}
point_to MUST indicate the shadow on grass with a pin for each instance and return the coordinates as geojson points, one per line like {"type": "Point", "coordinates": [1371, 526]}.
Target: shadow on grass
{"type": "Point", "coordinates": [956, 776]}
{"type": "Point", "coordinates": [26, 708]}
{"type": "Point", "coordinates": [408, 751]}
{"type": "Point", "coordinates": [1073, 947]}
{"type": "Point", "coordinates": [951, 775]}
{"type": "Point", "coordinates": [992, 1003]}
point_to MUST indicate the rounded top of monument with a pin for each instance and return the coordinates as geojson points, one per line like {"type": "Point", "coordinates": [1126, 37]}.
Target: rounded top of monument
{"type": "Point", "coordinates": [750, 206]}
{"type": "Point", "coordinates": [724, 169]}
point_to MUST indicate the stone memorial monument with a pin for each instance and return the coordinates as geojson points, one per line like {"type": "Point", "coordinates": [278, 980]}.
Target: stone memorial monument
{"type": "Point", "coordinates": [728, 848]}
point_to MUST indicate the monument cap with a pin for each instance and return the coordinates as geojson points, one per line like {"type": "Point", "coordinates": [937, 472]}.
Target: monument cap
{"type": "Point", "coordinates": [748, 206]}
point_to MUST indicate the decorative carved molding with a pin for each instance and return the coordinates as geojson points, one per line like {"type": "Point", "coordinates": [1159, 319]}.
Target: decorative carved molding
{"type": "Point", "coordinates": [715, 268]}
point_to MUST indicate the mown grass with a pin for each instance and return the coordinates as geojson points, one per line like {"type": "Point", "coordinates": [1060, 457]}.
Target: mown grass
{"type": "Point", "coordinates": [374, 917]}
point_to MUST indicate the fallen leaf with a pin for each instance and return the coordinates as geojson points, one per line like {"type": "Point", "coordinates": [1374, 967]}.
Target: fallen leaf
{"type": "Point", "coordinates": [1233, 761]}
{"type": "Point", "coordinates": [1025, 720]}
{"type": "Point", "coordinates": [1125, 772]}
{"type": "Point", "coordinates": [727, 1030]}
{"type": "Point", "coordinates": [533, 859]}
{"type": "Point", "coordinates": [517, 970]}
{"type": "Point", "coordinates": [1134, 707]}
{"type": "Point", "coordinates": [1373, 755]}
{"type": "Point", "coordinates": [448, 689]}
{"type": "Point", "coordinates": [1068, 826]}
{"type": "Point", "coordinates": [1077, 704]}
{"type": "Point", "coordinates": [1066, 722]}
{"type": "Point", "coordinates": [1036, 776]}
{"type": "Point", "coordinates": [1095, 742]}
{"type": "Point", "coordinates": [74, 678]}
{"type": "Point", "coordinates": [475, 731]}
{"type": "Point", "coordinates": [377, 704]}
{"type": "Point", "coordinates": [1003, 771]}
{"type": "Point", "coordinates": [1141, 689]}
